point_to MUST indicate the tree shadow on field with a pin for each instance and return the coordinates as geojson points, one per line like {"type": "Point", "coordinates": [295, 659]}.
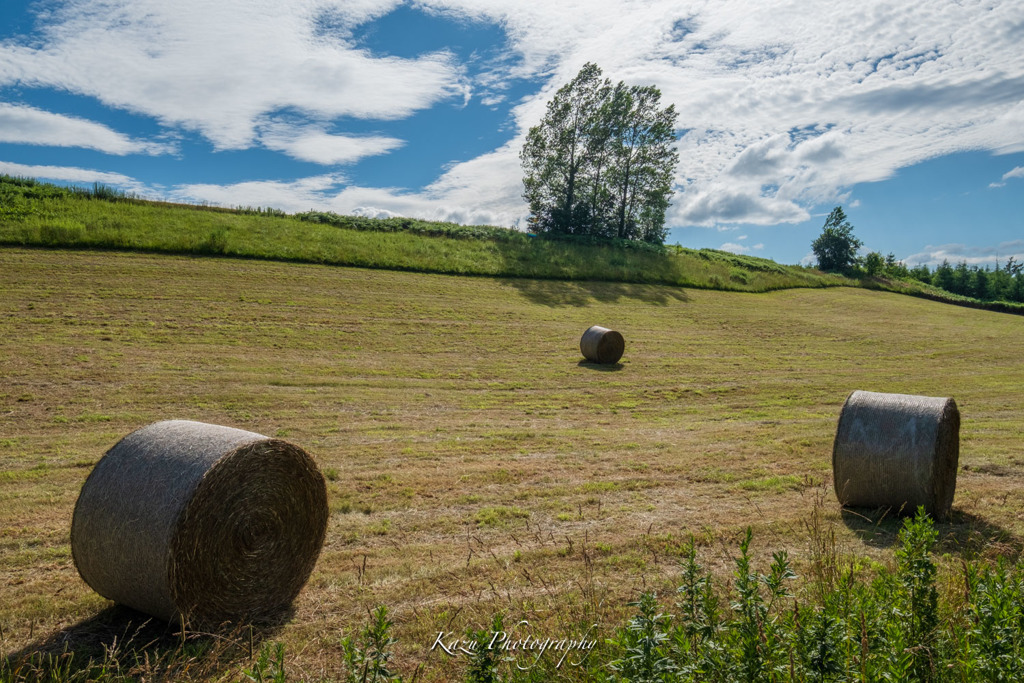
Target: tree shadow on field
{"type": "Point", "coordinates": [600, 367]}
{"type": "Point", "coordinates": [576, 293]}
{"type": "Point", "coordinates": [119, 642]}
{"type": "Point", "coordinates": [963, 533]}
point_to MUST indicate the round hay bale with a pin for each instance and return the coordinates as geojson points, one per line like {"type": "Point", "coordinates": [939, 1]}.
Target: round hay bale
{"type": "Point", "coordinates": [601, 345]}
{"type": "Point", "coordinates": [897, 451]}
{"type": "Point", "coordinates": [200, 523]}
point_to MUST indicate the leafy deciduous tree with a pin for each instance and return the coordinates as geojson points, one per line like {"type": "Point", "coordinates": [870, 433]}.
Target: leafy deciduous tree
{"type": "Point", "coordinates": [601, 160]}
{"type": "Point", "coordinates": [874, 264]}
{"type": "Point", "coordinates": [558, 154]}
{"type": "Point", "coordinates": [836, 247]}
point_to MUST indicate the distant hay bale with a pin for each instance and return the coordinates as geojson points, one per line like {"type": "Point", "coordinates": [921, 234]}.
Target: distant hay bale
{"type": "Point", "coordinates": [601, 345]}
{"type": "Point", "coordinates": [897, 451]}
{"type": "Point", "coordinates": [200, 523]}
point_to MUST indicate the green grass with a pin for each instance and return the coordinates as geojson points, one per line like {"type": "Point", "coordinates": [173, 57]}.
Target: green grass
{"type": "Point", "coordinates": [926, 291]}
{"type": "Point", "coordinates": [443, 407]}
{"type": "Point", "coordinates": [499, 515]}
{"type": "Point", "coordinates": [38, 214]}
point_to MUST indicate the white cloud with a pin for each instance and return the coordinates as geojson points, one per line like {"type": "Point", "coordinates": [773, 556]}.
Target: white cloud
{"type": "Point", "coordinates": [71, 174]}
{"type": "Point", "coordinates": [297, 195]}
{"type": "Point", "coordinates": [316, 145]}
{"type": "Point", "coordinates": [973, 255]}
{"type": "Point", "coordinates": [455, 196]}
{"type": "Point", "coordinates": [371, 212]}
{"type": "Point", "coordinates": [721, 202]}
{"type": "Point", "coordinates": [218, 67]}
{"type": "Point", "coordinates": [734, 248]}
{"type": "Point", "coordinates": [22, 124]}
{"type": "Point", "coordinates": [1017, 172]}
{"type": "Point", "coordinates": [486, 190]}
{"type": "Point", "coordinates": [737, 248]}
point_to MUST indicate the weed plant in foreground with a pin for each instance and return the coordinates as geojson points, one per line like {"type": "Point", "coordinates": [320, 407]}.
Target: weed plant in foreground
{"type": "Point", "coordinates": [887, 624]}
{"type": "Point", "coordinates": [883, 623]}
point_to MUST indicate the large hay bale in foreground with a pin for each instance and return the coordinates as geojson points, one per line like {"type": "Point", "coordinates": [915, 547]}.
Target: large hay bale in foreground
{"type": "Point", "coordinates": [601, 345]}
{"type": "Point", "coordinates": [200, 523]}
{"type": "Point", "coordinates": [897, 451]}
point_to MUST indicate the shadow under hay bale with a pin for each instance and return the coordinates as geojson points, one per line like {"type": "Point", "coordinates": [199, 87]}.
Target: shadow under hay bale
{"type": "Point", "coordinates": [897, 451]}
{"type": "Point", "coordinates": [601, 345]}
{"type": "Point", "coordinates": [598, 367]}
{"type": "Point", "coordinates": [966, 535]}
{"type": "Point", "coordinates": [200, 523]}
{"type": "Point", "coordinates": [119, 642]}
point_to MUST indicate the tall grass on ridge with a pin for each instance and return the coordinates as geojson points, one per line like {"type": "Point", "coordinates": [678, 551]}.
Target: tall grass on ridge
{"type": "Point", "coordinates": [38, 214]}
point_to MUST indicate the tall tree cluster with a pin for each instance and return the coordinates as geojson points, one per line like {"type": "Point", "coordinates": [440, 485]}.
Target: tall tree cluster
{"type": "Point", "coordinates": [601, 161]}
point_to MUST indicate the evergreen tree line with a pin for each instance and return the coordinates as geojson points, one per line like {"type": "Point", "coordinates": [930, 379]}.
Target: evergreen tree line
{"type": "Point", "coordinates": [836, 251]}
{"type": "Point", "coordinates": [601, 161]}
{"type": "Point", "coordinates": [1002, 283]}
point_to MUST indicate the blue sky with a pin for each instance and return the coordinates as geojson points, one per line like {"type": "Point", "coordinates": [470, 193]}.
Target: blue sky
{"type": "Point", "coordinates": [909, 116]}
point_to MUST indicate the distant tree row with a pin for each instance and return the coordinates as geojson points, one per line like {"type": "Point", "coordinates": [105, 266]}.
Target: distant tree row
{"type": "Point", "coordinates": [601, 161]}
{"type": "Point", "coordinates": [1003, 283]}
{"type": "Point", "coordinates": [836, 251]}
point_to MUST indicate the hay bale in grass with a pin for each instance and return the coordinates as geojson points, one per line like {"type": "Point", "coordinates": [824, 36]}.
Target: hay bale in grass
{"type": "Point", "coordinates": [601, 345]}
{"type": "Point", "coordinates": [200, 523]}
{"type": "Point", "coordinates": [897, 451]}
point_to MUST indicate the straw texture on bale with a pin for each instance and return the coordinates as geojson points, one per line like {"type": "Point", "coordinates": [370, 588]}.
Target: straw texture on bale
{"type": "Point", "coordinates": [200, 523]}
{"type": "Point", "coordinates": [897, 451]}
{"type": "Point", "coordinates": [601, 345]}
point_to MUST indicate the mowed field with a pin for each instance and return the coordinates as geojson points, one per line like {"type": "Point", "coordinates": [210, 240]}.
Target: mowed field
{"type": "Point", "coordinates": [474, 463]}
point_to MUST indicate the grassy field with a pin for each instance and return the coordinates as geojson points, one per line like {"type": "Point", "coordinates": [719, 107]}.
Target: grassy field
{"type": "Point", "coordinates": [475, 464]}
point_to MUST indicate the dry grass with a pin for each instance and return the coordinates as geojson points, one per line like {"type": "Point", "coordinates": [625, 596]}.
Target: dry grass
{"type": "Point", "coordinates": [473, 463]}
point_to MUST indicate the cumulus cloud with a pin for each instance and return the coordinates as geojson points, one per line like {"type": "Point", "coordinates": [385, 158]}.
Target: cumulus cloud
{"type": "Point", "coordinates": [371, 212]}
{"type": "Point", "coordinates": [721, 203]}
{"type": "Point", "coordinates": [31, 126]}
